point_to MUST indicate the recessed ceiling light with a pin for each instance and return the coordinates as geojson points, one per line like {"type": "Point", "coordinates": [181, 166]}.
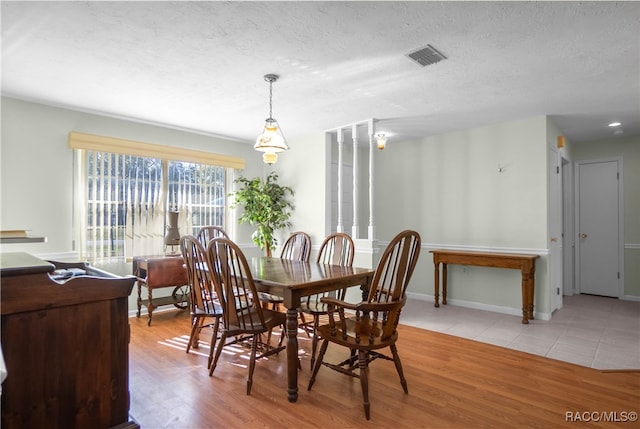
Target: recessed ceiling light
{"type": "Point", "coordinates": [615, 124]}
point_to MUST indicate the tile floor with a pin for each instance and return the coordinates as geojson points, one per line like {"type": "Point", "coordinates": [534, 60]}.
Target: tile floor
{"type": "Point", "coordinates": [598, 332]}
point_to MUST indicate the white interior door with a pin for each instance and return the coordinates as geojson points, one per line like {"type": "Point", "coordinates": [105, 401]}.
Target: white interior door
{"type": "Point", "coordinates": [555, 230]}
{"type": "Point", "coordinates": [598, 227]}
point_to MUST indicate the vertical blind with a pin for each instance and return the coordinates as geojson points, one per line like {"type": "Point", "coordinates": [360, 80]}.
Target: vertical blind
{"type": "Point", "coordinates": [122, 197]}
{"type": "Point", "coordinates": [127, 198]}
{"type": "Point", "coordinates": [124, 206]}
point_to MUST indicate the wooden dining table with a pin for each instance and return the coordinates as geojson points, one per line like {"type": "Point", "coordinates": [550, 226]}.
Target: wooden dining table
{"type": "Point", "coordinates": [293, 280]}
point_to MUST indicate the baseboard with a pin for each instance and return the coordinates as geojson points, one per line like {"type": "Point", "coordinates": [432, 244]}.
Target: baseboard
{"type": "Point", "coordinates": [145, 313]}
{"type": "Point", "coordinates": [479, 306]}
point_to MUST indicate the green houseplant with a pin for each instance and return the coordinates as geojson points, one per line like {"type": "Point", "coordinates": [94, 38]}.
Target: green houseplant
{"type": "Point", "coordinates": [265, 204]}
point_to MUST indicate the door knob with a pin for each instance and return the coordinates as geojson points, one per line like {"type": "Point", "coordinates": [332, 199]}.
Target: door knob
{"type": "Point", "coordinates": [583, 236]}
{"type": "Point", "coordinates": [554, 239]}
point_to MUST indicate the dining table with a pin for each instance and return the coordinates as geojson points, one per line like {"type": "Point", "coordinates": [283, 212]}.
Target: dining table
{"type": "Point", "coordinates": [293, 280]}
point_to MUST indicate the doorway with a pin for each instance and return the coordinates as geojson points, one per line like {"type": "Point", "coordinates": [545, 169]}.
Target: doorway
{"type": "Point", "coordinates": [599, 227]}
{"type": "Point", "coordinates": [556, 236]}
{"type": "Point", "coordinates": [568, 241]}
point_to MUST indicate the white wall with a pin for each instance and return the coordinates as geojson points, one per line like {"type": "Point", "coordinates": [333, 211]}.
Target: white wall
{"type": "Point", "coordinates": [447, 187]}
{"type": "Point", "coordinates": [303, 169]}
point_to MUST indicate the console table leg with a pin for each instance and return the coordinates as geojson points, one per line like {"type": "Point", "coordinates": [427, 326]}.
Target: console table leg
{"type": "Point", "coordinates": [436, 285]}
{"type": "Point", "coordinates": [530, 293]}
{"type": "Point", "coordinates": [444, 284]}
{"type": "Point", "coordinates": [525, 300]}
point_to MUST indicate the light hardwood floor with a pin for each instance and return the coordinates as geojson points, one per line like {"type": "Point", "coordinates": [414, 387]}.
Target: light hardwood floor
{"type": "Point", "coordinates": [453, 383]}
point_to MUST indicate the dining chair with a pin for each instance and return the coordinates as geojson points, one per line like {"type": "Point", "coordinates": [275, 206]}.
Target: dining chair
{"type": "Point", "coordinates": [296, 248]}
{"type": "Point", "coordinates": [204, 306]}
{"type": "Point", "coordinates": [243, 317]}
{"type": "Point", "coordinates": [336, 249]}
{"type": "Point", "coordinates": [208, 233]}
{"type": "Point", "coordinates": [373, 326]}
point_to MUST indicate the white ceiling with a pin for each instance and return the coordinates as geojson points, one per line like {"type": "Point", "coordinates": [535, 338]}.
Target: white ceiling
{"type": "Point", "coordinates": [200, 65]}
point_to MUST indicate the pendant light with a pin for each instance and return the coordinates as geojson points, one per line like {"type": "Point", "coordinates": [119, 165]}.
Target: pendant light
{"type": "Point", "coordinates": [271, 140]}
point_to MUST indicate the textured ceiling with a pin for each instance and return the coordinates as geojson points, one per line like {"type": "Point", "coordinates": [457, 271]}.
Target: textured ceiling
{"type": "Point", "coordinates": [200, 65]}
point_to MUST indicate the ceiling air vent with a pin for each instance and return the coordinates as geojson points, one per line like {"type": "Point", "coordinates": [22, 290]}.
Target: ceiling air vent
{"type": "Point", "coordinates": [427, 55]}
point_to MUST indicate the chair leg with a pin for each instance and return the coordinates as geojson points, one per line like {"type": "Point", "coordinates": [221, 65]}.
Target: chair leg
{"type": "Point", "coordinates": [274, 307]}
{"type": "Point", "coordinates": [304, 323]}
{"type": "Point", "coordinates": [314, 340]}
{"type": "Point", "coordinates": [195, 322]}
{"type": "Point", "coordinates": [283, 333]}
{"type": "Point", "coordinates": [364, 382]}
{"type": "Point", "coordinates": [213, 341]}
{"type": "Point", "coordinates": [219, 347]}
{"type": "Point", "coordinates": [252, 363]}
{"type": "Point", "coordinates": [396, 360]}
{"type": "Point", "coordinates": [316, 368]}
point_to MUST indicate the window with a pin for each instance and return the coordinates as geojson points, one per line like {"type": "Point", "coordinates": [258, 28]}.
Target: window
{"type": "Point", "coordinates": [123, 189]}
{"type": "Point", "coordinates": [201, 190]}
{"type": "Point", "coordinates": [122, 200]}
{"type": "Point", "coordinates": [127, 198]}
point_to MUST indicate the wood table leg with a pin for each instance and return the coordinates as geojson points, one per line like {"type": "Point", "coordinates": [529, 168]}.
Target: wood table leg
{"type": "Point", "coordinates": [525, 299]}
{"type": "Point", "coordinates": [292, 354]}
{"type": "Point", "coordinates": [150, 306]}
{"type": "Point", "coordinates": [444, 284]}
{"type": "Point", "coordinates": [530, 293]}
{"type": "Point", "coordinates": [436, 284]}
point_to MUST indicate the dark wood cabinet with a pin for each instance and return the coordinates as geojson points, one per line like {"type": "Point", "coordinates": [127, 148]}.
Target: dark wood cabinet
{"type": "Point", "coordinates": [65, 341]}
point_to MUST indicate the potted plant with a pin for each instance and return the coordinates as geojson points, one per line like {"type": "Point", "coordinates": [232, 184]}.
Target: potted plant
{"type": "Point", "coordinates": [266, 205]}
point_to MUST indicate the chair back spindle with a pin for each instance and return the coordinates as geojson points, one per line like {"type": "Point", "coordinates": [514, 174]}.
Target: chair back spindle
{"type": "Point", "coordinates": [297, 247]}
{"type": "Point", "coordinates": [208, 233]}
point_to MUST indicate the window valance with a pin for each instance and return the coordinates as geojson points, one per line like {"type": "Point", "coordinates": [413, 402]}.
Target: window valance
{"type": "Point", "coordinates": [78, 140]}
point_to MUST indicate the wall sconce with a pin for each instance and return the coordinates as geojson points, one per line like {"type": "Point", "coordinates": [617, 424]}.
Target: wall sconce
{"type": "Point", "coordinates": [560, 142]}
{"type": "Point", "coordinates": [381, 141]}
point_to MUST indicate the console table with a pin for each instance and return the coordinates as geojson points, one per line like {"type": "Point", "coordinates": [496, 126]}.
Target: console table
{"type": "Point", "coordinates": [155, 272]}
{"type": "Point", "coordinates": [525, 263]}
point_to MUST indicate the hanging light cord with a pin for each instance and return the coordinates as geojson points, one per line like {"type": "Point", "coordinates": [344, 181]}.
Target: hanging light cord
{"type": "Point", "coordinates": [270, 98]}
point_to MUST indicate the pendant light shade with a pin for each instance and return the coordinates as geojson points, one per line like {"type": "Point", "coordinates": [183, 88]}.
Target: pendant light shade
{"type": "Point", "coordinates": [271, 140]}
